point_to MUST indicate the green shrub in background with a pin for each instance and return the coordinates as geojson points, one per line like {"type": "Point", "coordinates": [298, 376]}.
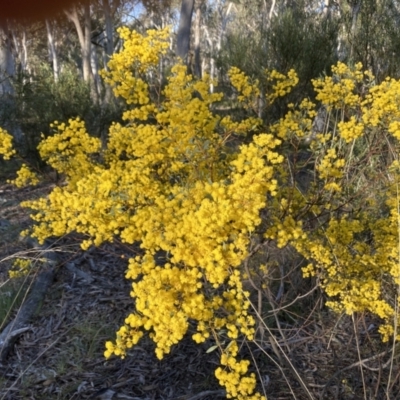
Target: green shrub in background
{"type": "Point", "coordinates": [39, 100]}
{"type": "Point", "coordinates": [296, 40]}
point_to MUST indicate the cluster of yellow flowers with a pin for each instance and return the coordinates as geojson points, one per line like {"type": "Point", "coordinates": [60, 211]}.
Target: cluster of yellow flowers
{"type": "Point", "coordinates": [20, 268]}
{"type": "Point", "coordinates": [238, 386]}
{"type": "Point", "coordinates": [6, 146]}
{"type": "Point", "coordinates": [352, 270]}
{"type": "Point", "coordinates": [331, 166]}
{"type": "Point", "coordinates": [249, 91]}
{"type": "Point", "coordinates": [351, 129]}
{"type": "Point", "coordinates": [338, 90]}
{"type": "Point", "coordinates": [68, 151]}
{"type": "Point", "coordinates": [281, 84]}
{"type": "Point", "coordinates": [297, 122]}
{"type": "Point", "coordinates": [25, 176]}
{"type": "Point", "coordinates": [140, 54]}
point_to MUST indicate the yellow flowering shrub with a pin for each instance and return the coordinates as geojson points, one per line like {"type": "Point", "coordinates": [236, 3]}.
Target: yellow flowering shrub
{"type": "Point", "coordinates": [351, 129]}
{"type": "Point", "coordinates": [233, 378]}
{"type": "Point", "coordinates": [170, 180]}
{"type": "Point", "coordinates": [140, 54]}
{"type": "Point", "coordinates": [354, 196]}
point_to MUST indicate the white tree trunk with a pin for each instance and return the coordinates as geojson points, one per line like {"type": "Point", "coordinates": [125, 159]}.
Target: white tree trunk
{"type": "Point", "coordinates": [109, 47]}
{"type": "Point", "coordinates": [95, 71]}
{"type": "Point", "coordinates": [20, 46]}
{"type": "Point", "coordinates": [271, 11]}
{"type": "Point", "coordinates": [52, 50]}
{"type": "Point", "coordinates": [84, 36]}
{"type": "Point", "coordinates": [212, 63]}
{"type": "Point", "coordinates": [87, 47]}
{"type": "Point", "coordinates": [25, 57]}
{"type": "Point", "coordinates": [197, 62]}
{"type": "Point", "coordinates": [7, 62]}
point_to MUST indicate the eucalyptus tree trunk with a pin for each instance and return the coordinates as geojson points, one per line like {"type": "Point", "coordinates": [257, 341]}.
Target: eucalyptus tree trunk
{"type": "Point", "coordinates": [327, 10]}
{"type": "Point", "coordinates": [20, 46]}
{"type": "Point", "coordinates": [7, 62]}
{"type": "Point", "coordinates": [95, 73]}
{"type": "Point", "coordinates": [85, 40]}
{"type": "Point", "coordinates": [185, 24]}
{"type": "Point", "coordinates": [272, 11]}
{"type": "Point", "coordinates": [197, 62]}
{"type": "Point", "coordinates": [355, 11]}
{"type": "Point", "coordinates": [87, 45]}
{"type": "Point", "coordinates": [109, 48]}
{"type": "Point", "coordinates": [8, 111]}
{"type": "Point", "coordinates": [212, 59]}
{"type": "Point", "coordinates": [52, 50]}
{"type": "Point", "coordinates": [84, 36]}
{"type": "Point", "coordinates": [24, 53]}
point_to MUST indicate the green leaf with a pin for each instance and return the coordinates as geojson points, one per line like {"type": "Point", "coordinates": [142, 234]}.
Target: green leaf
{"type": "Point", "coordinates": [211, 349]}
